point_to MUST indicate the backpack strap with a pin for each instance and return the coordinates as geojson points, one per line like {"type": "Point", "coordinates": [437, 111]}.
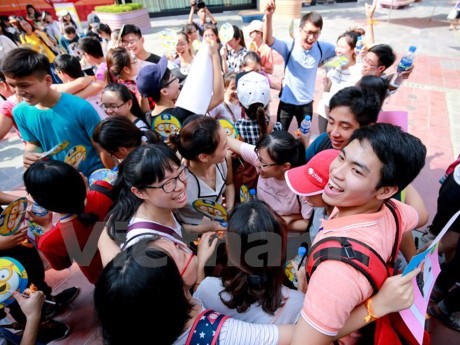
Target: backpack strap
{"type": "Point", "coordinates": [206, 328]}
{"type": "Point", "coordinates": [320, 54]}
{"type": "Point", "coordinates": [397, 241]}
{"type": "Point", "coordinates": [288, 57]}
{"type": "Point", "coordinates": [105, 188]}
{"type": "Point", "coordinates": [357, 254]}
{"type": "Point", "coordinates": [155, 226]}
{"type": "Point", "coordinates": [352, 252]}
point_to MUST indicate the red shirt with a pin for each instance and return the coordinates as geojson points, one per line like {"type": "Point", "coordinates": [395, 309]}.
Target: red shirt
{"type": "Point", "coordinates": [80, 242]}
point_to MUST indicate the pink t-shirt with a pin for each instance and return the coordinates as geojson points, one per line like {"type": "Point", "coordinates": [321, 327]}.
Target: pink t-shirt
{"type": "Point", "coordinates": [6, 109]}
{"type": "Point", "coordinates": [275, 192]}
{"type": "Point", "coordinates": [100, 71]}
{"type": "Point", "coordinates": [336, 288]}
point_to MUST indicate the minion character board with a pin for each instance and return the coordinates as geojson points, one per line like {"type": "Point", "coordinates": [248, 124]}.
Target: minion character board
{"type": "Point", "coordinates": [244, 193]}
{"type": "Point", "coordinates": [75, 156]}
{"type": "Point", "coordinates": [226, 32]}
{"type": "Point", "coordinates": [229, 128]}
{"type": "Point", "coordinates": [55, 150]}
{"type": "Point", "coordinates": [13, 216]}
{"type": "Point", "coordinates": [165, 125]}
{"type": "Point", "coordinates": [13, 277]}
{"type": "Point", "coordinates": [211, 209]}
{"type": "Point", "coordinates": [107, 175]}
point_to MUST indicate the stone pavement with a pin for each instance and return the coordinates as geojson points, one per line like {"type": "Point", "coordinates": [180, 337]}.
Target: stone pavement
{"type": "Point", "coordinates": [431, 97]}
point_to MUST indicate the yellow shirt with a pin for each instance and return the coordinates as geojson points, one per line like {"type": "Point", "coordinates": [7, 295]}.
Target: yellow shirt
{"type": "Point", "coordinates": [34, 41]}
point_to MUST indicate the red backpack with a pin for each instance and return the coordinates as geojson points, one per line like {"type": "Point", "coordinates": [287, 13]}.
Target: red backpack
{"type": "Point", "coordinates": [387, 330]}
{"type": "Point", "coordinates": [450, 169]}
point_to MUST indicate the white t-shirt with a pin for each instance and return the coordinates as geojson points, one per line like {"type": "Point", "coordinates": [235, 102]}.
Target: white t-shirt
{"type": "Point", "coordinates": [209, 289]}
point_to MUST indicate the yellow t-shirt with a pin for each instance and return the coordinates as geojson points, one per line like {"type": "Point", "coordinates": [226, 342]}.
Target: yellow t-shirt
{"type": "Point", "coordinates": [37, 44]}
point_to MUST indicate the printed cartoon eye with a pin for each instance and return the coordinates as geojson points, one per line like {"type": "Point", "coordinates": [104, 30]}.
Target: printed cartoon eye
{"type": "Point", "coordinates": [160, 127]}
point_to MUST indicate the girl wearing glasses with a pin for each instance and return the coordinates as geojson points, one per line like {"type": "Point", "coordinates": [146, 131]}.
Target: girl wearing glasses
{"type": "Point", "coordinates": [151, 184]}
{"type": "Point", "coordinates": [117, 99]}
{"type": "Point", "coordinates": [135, 284]}
{"type": "Point", "coordinates": [60, 188]}
{"type": "Point", "coordinates": [203, 143]}
{"type": "Point", "coordinates": [122, 68]}
{"type": "Point", "coordinates": [273, 155]}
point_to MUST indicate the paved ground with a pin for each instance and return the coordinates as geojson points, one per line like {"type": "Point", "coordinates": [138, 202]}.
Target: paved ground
{"type": "Point", "coordinates": [431, 97]}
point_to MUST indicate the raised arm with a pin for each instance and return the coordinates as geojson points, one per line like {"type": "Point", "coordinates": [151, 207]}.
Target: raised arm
{"type": "Point", "coordinates": [234, 145]}
{"type": "Point", "coordinates": [270, 8]}
{"type": "Point", "coordinates": [192, 12]}
{"type": "Point", "coordinates": [209, 14]}
{"type": "Point", "coordinates": [369, 37]}
{"type": "Point", "coordinates": [217, 79]}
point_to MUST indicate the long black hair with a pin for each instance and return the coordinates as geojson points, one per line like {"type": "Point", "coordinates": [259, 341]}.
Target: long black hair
{"type": "Point", "coordinates": [58, 187]}
{"type": "Point", "coordinates": [145, 165]}
{"type": "Point", "coordinates": [255, 278]}
{"type": "Point", "coordinates": [118, 131]}
{"type": "Point", "coordinates": [138, 280]}
{"type": "Point", "coordinates": [282, 148]}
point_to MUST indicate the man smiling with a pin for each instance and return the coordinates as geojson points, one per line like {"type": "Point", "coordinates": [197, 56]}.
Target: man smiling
{"type": "Point", "coordinates": [302, 58]}
{"type": "Point", "coordinates": [379, 161]}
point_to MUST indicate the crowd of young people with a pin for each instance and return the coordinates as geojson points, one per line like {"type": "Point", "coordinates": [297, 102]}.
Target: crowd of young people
{"type": "Point", "coordinates": [144, 243]}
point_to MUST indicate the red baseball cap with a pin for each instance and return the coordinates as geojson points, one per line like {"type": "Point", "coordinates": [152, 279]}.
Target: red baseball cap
{"type": "Point", "coordinates": [311, 178]}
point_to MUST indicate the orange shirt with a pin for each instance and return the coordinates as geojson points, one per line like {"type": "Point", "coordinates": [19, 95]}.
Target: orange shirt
{"type": "Point", "coordinates": [336, 288]}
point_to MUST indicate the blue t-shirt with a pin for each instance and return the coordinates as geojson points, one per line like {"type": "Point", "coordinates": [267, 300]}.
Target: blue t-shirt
{"type": "Point", "coordinates": [72, 119]}
{"type": "Point", "coordinates": [321, 143]}
{"type": "Point", "coordinates": [300, 72]}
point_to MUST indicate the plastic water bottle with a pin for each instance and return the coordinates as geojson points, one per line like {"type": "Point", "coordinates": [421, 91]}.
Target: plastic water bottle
{"type": "Point", "coordinates": [405, 63]}
{"type": "Point", "coordinates": [252, 194]}
{"type": "Point", "coordinates": [293, 266]}
{"type": "Point", "coordinates": [305, 125]}
{"type": "Point", "coordinates": [359, 47]}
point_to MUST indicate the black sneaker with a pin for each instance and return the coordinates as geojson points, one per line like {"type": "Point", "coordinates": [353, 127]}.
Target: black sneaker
{"type": "Point", "coordinates": [450, 320]}
{"type": "Point", "coordinates": [66, 296]}
{"type": "Point", "coordinates": [61, 299]}
{"type": "Point", "coordinates": [52, 330]}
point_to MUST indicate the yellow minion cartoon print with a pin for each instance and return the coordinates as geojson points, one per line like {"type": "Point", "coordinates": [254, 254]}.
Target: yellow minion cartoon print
{"type": "Point", "coordinates": [13, 277]}
{"type": "Point", "coordinates": [229, 128]}
{"type": "Point", "coordinates": [75, 156]}
{"type": "Point", "coordinates": [211, 209]}
{"type": "Point", "coordinates": [165, 125]}
{"type": "Point", "coordinates": [12, 217]}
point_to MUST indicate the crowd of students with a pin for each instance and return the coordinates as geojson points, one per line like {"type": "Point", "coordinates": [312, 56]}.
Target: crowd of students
{"type": "Point", "coordinates": [141, 240]}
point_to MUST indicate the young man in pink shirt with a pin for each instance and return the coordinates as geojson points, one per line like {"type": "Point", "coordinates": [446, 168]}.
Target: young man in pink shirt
{"type": "Point", "coordinates": [379, 160]}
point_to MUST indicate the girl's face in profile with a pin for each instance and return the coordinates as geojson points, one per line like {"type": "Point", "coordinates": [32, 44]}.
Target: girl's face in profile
{"type": "Point", "coordinates": [221, 151]}
{"type": "Point", "coordinates": [266, 167]}
{"type": "Point", "coordinates": [186, 261]}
